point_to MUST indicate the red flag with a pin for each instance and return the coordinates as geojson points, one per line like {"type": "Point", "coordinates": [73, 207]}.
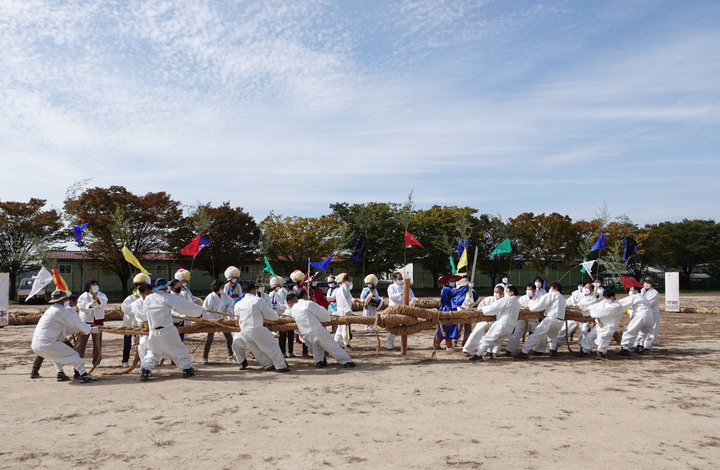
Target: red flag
{"type": "Point", "coordinates": [194, 247]}
{"type": "Point", "coordinates": [60, 283]}
{"type": "Point", "coordinates": [628, 282]}
{"type": "Point", "coordinates": [410, 240]}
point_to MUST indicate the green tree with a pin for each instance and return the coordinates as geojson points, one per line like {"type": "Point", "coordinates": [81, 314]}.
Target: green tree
{"type": "Point", "coordinates": [544, 239]}
{"type": "Point", "coordinates": [488, 232]}
{"type": "Point", "coordinates": [25, 228]}
{"type": "Point", "coordinates": [116, 216]}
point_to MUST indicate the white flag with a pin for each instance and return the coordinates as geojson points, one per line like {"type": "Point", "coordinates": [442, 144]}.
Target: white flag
{"type": "Point", "coordinates": [588, 266]}
{"type": "Point", "coordinates": [42, 279]}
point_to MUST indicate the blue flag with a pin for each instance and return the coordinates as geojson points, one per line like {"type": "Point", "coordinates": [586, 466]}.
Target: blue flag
{"type": "Point", "coordinates": [78, 229]}
{"type": "Point", "coordinates": [600, 243]}
{"type": "Point", "coordinates": [359, 250]}
{"type": "Point", "coordinates": [629, 249]}
{"type": "Point", "coordinates": [322, 265]}
{"type": "Point", "coordinates": [462, 245]}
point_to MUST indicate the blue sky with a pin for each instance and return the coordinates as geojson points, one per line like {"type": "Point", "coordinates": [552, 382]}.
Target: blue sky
{"type": "Point", "coordinates": [289, 106]}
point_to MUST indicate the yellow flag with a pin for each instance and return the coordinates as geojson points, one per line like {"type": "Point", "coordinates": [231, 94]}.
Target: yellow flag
{"type": "Point", "coordinates": [463, 260]}
{"type": "Point", "coordinates": [130, 258]}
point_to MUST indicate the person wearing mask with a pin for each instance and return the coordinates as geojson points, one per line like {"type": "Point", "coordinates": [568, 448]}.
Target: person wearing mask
{"type": "Point", "coordinates": [642, 319]}
{"type": "Point", "coordinates": [607, 314]}
{"type": "Point", "coordinates": [451, 297]}
{"type": "Point", "coordinates": [521, 325]}
{"type": "Point", "coordinates": [56, 323]}
{"type": "Point", "coordinates": [138, 310]}
{"type": "Point", "coordinates": [91, 304]}
{"type": "Point", "coordinates": [217, 301]}
{"type": "Point", "coordinates": [232, 286]}
{"type": "Point", "coordinates": [37, 363]}
{"type": "Point", "coordinates": [481, 328]}
{"type": "Point", "coordinates": [539, 287]}
{"type": "Point", "coordinates": [309, 317]}
{"type": "Point", "coordinates": [370, 298]}
{"type": "Point", "coordinates": [330, 296]}
{"type": "Point", "coordinates": [344, 301]}
{"type": "Point", "coordinates": [395, 297]}
{"type": "Point", "coordinates": [506, 311]}
{"type": "Point", "coordinates": [466, 328]}
{"type": "Point", "coordinates": [129, 316]}
{"type": "Point", "coordinates": [598, 288]}
{"type": "Point", "coordinates": [504, 281]}
{"type": "Point", "coordinates": [163, 337]}
{"type": "Point", "coordinates": [553, 304]}
{"type": "Point", "coordinates": [644, 342]}
{"type": "Point", "coordinates": [286, 339]}
{"type": "Point", "coordinates": [251, 312]}
{"type": "Point", "coordinates": [585, 299]}
{"type": "Point", "coordinates": [298, 277]}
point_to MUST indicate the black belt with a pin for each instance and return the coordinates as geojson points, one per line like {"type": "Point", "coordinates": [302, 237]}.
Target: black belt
{"type": "Point", "coordinates": [159, 327]}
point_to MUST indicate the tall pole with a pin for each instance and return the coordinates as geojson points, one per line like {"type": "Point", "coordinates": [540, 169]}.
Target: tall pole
{"type": "Point", "coordinates": [406, 301]}
{"type": "Point", "coordinates": [472, 275]}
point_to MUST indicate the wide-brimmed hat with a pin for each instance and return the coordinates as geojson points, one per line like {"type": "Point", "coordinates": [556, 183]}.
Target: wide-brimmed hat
{"type": "Point", "coordinates": [58, 295]}
{"type": "Point", "coordinates": [449, 278]}
{"type": "Point", "coordinates": [161, 283]}
{"type": "Point", "coordinates": [288, 282]}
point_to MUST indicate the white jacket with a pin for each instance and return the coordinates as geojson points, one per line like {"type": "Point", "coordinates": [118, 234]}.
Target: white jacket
{"type": "Point", "coordinates": [126, 307]}
{"type": "Point", "coordinates": [252, 310]}
{"type": "Point", "coordinates": [159, 307]}
{"type": "Point", "coordinates": [608, 312]}
{"type": "Point", "coordinates": [91, 310]}
{"type": "Point", "coordinates": [138, 310]}
{"type": "Point", "coordinates": [639, 305]}
{"type": "Point", "coordinates": [506, 310]}
{"type": "Point", "coordinates": [308, 315]}
{"type": "Point", "coordinates": [57, 321]}
{"type": "Point", "coordinates": [220, 303]}
{"type": "Point", "coordinates": [653, 298]}
{"type": "Point", "coordinates": [344, 300]}
{"type": "Point", "coordinates": [395, 294]}
{"type": "Point", "coordinates": [553, 303]}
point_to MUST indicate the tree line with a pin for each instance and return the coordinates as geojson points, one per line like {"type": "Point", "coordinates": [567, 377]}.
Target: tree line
{"type": "Point", "coordinates": [155, 222]}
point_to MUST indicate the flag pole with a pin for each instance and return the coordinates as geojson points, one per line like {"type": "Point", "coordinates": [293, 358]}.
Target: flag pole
{"type": "Point", "coordinates": [472, 275]}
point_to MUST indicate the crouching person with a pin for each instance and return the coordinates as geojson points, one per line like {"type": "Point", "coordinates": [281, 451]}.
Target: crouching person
{"type": "Point", "coordinates": [308, 316]}
{"type": "Point", "coordinates": [163, 337]}
{"type": "Point", "coordinates": [608, 314]}
{"type": "Point", "coordinates": [56, 323]}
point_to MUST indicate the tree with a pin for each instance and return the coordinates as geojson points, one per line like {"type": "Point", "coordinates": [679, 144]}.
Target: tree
{"type": "Point", "coordinates": [489, 232]}
{"type": "Point", "coordinates": [25, 227]}
{"type": "Point", "coordinates": [288, 242]}
{"type": "Point", "coordinates": [233, 234]}
{"type": "Point", "coordinates": [544, 239]}
{"type": "Point", "coordinates": [115, 217]}
{"type": "Point", "coordinates": [686, 247]}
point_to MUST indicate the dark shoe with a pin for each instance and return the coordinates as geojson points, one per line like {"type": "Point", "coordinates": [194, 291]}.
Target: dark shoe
{"type": "Point", "coordinates": [538, 353]}
{"type": "Point", "coordinates": [490, 355]}
{"type": "Point", "coordinates": [61, 377]}
{"type": "Point", "coordinates": [243, 364]}
{"type": "Point", "coordinates": [34, 375]}
{"type": "Point", "coordinates": [320, 364]}
{"type": "Point", "coordinates": [476, 358]}
{"type": "Point", "coordinates": [553, 352]}
{"type": "Point", "coordinates": [599, 356]}
{"type": "Point", "coordinates": [284, 369]}
{"type": "Point", "coordinates": [638, 349]}
{"type": "Point", "coordinates": [646, 350]}
{"type": "Point", "coordinates": [189, 372]}
{"type": "Point", "coordinates": [271, 368]}
{"type": "Point", "coordinates": [303, 355]}
{"type": "Point", "coordinates": [86, 378]}
{"type": "Point", "coordinates": [348, 348]}
{"type": "Point", "coordinates": [582, 353]}
{"type": "Point", "coordinates": [144, 375]}
{"type": "Point", "coordinates": [623, 352]}
{"type": "Point", "coordinates": [293, 355]}
{"type": "Point", "coordinates": [76, 374]}
{"type": "Point", "coordinates": [466, 354]}
{"type": "Point", "coordinates": [508, 354]}
{"type": "Point", "coordinates": [349, 365]}
{"type": "Point", "coordinates": [521, 355]}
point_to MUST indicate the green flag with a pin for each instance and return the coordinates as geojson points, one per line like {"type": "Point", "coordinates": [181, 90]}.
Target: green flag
{"type": "Point", "coordinates": [452, 265]}
{"type": "Point", "coordinates": [269, 268]}
{"type": "Point", "coordinates": [503, 247]}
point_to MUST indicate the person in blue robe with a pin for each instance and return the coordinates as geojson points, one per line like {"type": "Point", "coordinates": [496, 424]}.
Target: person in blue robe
{"type": "Point", "coordinates": [450, 299]}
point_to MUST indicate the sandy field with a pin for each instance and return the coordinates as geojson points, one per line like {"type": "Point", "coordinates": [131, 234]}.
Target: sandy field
{"type": "Point", "coordinates": [648, 411]}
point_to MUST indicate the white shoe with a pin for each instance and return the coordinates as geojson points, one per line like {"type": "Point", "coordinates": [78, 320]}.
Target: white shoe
{"type": "Point", "coordinates": [450, 349]}
{"type": "Point", "coordinates": [125, 364]}
{"type": "Point", "coordinates": [231, 358]}
{"type": "Point", "coordinates": [205, 361]}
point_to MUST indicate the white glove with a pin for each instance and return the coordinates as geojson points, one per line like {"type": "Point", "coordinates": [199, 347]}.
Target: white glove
{"type": "Point", "coordinates": [94, 330]}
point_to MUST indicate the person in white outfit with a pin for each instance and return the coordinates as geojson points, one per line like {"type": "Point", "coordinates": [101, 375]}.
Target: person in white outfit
{"type": "Point", "coordinates": [553, 303]}
{"type": "Point", "coordinates": [481, 328]}
{"type": "Point", "coordinates": [370, 298]}
{"type": "Point", "coordinates": [57, 322]}
{"type": "Point", "coordinates": [506, 311]}
{"type": "Point", "coordinates": [308, 315]}
{"type": "Point", "coordinates": [163, 338]}
{"type": "Point", "coordinates": [140, 316]}
{"type": "Point", "coordinates": [91, 305]}
{"type": "Point", "coordinates": [251, 312]}
{"type": "Point", "coordinates": [579, 297]}
{"type": "Point", "coordinates": [521, 325]}
{"type": "Point", "coordinates": [129, 316]}
{"type": "Point", "coordinates": [608, 314]}
{"type": "Point", "coordinates": [504, 281]}
{"type": "Point", "coordinates": [344, 301]}
{"type": "Point", "coordinates": [217, 301]}
{"type": "Point", "coordinates": [539, 289]}
{"type": "Point", "coordinates": [395, 297]}
{"type": "Point", "coordinates": [642, 319]}
{"type": "Point", "coordinates": [644, 342]}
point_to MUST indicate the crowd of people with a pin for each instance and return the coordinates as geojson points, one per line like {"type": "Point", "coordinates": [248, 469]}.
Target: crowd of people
{"type": "Point", "coordinates": [164, 305]}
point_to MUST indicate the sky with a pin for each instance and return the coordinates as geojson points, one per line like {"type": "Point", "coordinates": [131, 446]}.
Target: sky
{"type": "Point", "coordinates": [507, 107]}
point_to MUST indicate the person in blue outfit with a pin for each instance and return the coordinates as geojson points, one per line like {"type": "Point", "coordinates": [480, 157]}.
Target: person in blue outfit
{"type": "Point", "coordinates": [450, 299]}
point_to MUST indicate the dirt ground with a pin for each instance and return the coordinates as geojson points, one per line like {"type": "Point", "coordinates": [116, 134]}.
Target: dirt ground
{"type": "Point", "coordinates": [658, 410]}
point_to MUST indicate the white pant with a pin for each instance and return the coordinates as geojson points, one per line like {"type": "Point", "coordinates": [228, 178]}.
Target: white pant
{"type": "Point", "coordinates": [342, 335]}
{"type": "Point", "coordinates": [264, 347]}
{"type": "Point", "coordinates": [165, 342]}
{"type": "Point", "coordinates": [600, 336]}
{"type": "Point", "coordinates": [476, 336]}
{"type": "Point", "coordinates": [142, 346]}
{"type": "Point", "coordinates": [548, 328]}
{"type": "Point", "coordinates": [647, 340]}
{"type": "Point", "coordinates": [638, 325]}
{"type": "Point", "coordinates": [58, 352]}
{"type": "Point", "coordinates": [319, 341]}
{"type": "Point", "coordinates": [391, 340]}
{"type": "Point", "coordinates": [517, 334]}
{"type": "Point", "coordinates": [238, 347]}
{"type": "Point", "coordinates": [493, 339]}
{"type": "Point", "coordinates": [566, 332]}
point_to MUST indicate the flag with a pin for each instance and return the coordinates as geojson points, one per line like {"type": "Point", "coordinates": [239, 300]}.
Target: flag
{"type": "Point", "coordinates": [629, 249]}
{"type": "Point", "coordinates": [78, 229]}
{"type": "Point", "coordinates": [628, 282]}
{"type": "Point", "coordinates": [59, 281]}
{"type": "Point", "coordinates": [42, 279]}
{"type": "Point", "coordinates": [194, 247]}
{"type": "Point", "coordinates": [359, 250]}
{"type": "Point", "coordinates": [130, 258]}
{"type": "Point", "coordinates": [462, 263]}
{"type": "Point", "coordinates": [600, 244]}
{"type": "Point", "coordinates": [452, 265]}
{"type": "Point", "coordinates": [410, 240]}
{"type": "Point", "coordinates": [462, 244]}
{"type": "Point", "coordinates": [587, 266]}
{"type": "Point", "coordinates": [269, 268]}
{"type": "Point", "coordinates": [322, 265]}
{"type": "Point", "coordinates": [503, 247]}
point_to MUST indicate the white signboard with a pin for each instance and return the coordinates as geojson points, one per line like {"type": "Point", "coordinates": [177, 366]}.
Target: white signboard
{"type": "Point", "coordinates": [672, 292]}
{"type": "Point", "coordinates": [4, 298]}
